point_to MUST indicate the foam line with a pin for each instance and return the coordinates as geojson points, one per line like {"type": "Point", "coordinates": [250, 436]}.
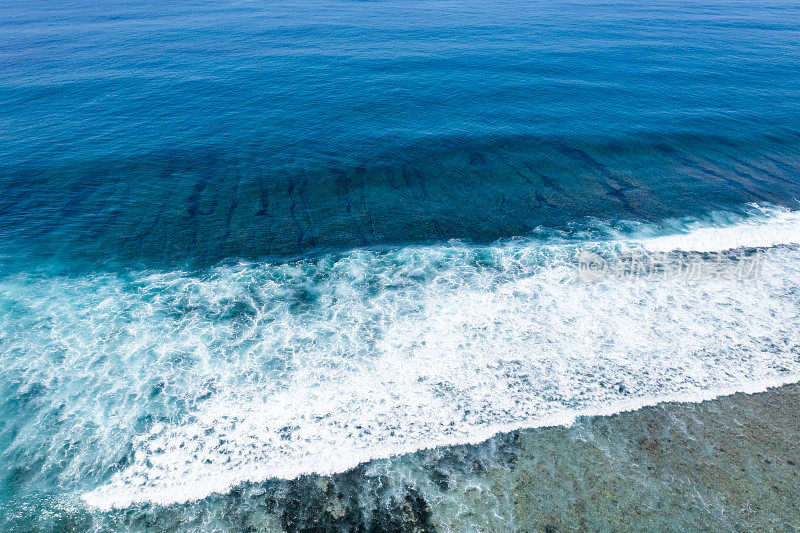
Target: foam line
{"type": "Point", "coordinates": [189, 384]}
{"type": "Point", "coordinates": [769, 227]}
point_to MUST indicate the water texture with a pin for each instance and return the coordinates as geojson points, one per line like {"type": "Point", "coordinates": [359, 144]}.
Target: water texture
{"type": "Point", "coordinates": [266, 266]}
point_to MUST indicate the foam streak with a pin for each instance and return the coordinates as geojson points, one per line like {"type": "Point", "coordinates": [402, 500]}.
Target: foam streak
{"type": "Point", "coordinates": [196, 383]}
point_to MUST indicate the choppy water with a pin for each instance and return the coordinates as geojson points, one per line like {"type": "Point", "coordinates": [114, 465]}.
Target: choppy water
{"type": "Point", "coordinates": [241, 243]}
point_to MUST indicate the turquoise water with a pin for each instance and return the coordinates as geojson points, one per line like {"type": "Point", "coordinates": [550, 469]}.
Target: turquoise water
{"type": "Point", "coordinates": [245, 243]}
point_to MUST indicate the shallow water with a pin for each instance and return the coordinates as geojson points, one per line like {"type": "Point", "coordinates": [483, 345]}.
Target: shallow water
{"type": "Point", "coordinates": [242, 243]}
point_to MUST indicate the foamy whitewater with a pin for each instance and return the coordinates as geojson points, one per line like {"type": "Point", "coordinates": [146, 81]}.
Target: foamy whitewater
{"type": "Point", "coordinates": [730, 232]}
{"type": "Point", "coordinates": [192, 383]}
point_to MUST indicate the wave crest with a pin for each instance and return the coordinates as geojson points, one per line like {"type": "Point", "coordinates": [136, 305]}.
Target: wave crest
{"type": "Point", "coordinates": [193, 383]}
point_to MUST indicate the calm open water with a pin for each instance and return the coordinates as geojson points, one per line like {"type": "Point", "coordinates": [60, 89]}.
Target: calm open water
{"type": "Point", "coordinates": [241, 241]}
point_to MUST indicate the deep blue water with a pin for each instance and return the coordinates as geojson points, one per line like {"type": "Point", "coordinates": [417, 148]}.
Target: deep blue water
{"type": "Point", "coordinates": [210, 210]}
{"type": "Point", "coordinates": [208, 131]}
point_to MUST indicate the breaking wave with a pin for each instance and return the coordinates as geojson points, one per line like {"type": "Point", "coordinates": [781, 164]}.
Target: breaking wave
{"type": "Point", "coordinates": [170, 386]}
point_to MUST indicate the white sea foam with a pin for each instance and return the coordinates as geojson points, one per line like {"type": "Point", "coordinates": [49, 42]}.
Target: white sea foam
{"type": "Point", "coordinates": [765, 228]}
{"type": "Point", "coordinates": [261, 371]}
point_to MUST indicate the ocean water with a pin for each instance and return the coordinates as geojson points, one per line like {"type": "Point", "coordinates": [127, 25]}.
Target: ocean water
{"type": "Point", "coordinates": [249, 249]}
